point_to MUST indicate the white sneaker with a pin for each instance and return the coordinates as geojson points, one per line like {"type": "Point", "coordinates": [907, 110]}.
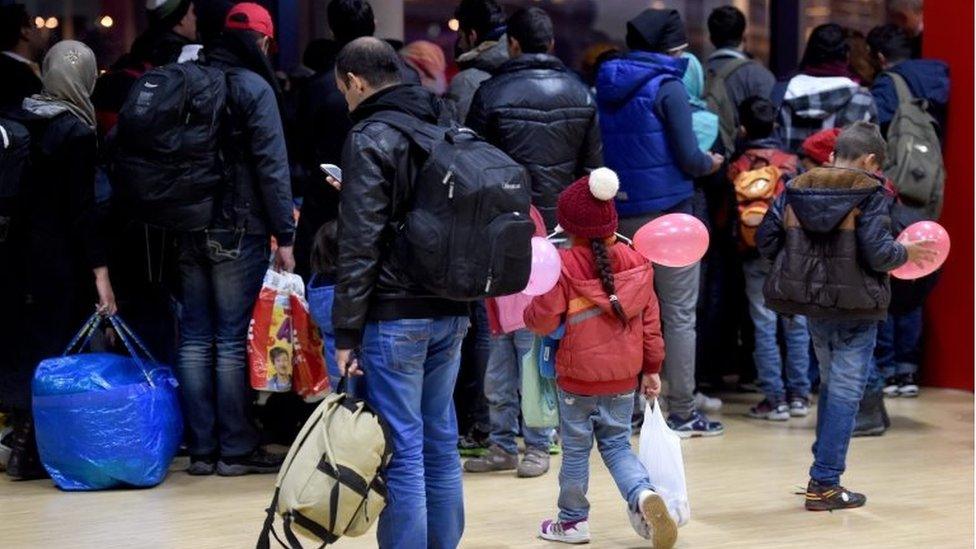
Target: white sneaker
{"type": "Point", "coordinates": [654, 522]}
{"type": "Point", "coordinates": [706, 403]}
{"type": "Point", "coordinates": [575, 533]}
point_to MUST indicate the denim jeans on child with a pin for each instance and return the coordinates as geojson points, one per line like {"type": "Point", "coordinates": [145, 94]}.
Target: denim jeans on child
{"type": "Point", "coordinates": [898, 350]}
{"type": "Point", "coordinates": [677, 294]}
{"type": "Point", "coordinates": [411, 366]}
{"type": "Point", "coordinates": [218, 295]}
{"type": "Point", "coordinates": [469, 394]}
{"type": "Point", "coordinates": [844, 349]}
{"type": "Point", "coordinates": [606, 419]}
{"type": "Point", "coordinates": [503, 381]}
{"type": "Point", "coordinates": [769, 361]}
{"type": "Point", "coordinates": [320, 296]}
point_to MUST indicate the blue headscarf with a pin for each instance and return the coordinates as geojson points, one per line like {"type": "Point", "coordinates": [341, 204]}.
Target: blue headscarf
{"type": "Point", "coordinates": [703, 121]}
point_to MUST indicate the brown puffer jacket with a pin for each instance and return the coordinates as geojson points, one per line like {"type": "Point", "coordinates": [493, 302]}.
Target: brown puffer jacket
{"type": "Point", "coordinates": [829, 236]}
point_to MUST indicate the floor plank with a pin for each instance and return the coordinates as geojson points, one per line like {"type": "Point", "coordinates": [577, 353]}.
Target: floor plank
{"type": "Point", "coordinates": [918, 478]}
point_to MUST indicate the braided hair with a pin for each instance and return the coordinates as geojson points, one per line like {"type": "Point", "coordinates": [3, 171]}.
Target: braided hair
{"type": "Point", "coordinates": [605, 270]}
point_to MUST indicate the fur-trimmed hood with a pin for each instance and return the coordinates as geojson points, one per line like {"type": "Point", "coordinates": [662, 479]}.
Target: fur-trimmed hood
{"type": "Point", "coordinates": [821, 198]}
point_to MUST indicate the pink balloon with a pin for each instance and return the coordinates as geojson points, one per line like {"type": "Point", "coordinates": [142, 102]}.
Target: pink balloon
{"type": "Point", "coordinates": [546, 267]}
{"type": "Point", "coordinates": [923, 230]}
{"type": "Point", "coordinates": [673, 240]}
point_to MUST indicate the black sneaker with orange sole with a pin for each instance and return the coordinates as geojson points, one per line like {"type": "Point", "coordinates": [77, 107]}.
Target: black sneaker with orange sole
{"type": "Point", "coordinates": [832, 498]}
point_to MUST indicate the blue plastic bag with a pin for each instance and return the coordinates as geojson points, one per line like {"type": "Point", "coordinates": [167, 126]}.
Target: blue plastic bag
{"type": "Point", "coordinates": [105, 420]}
{"type": "Point", "coordinates": [547, 354]}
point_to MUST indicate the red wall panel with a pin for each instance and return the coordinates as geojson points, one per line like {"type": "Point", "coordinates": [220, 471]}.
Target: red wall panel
{"type": "Point", "coordinates": [949, 315]}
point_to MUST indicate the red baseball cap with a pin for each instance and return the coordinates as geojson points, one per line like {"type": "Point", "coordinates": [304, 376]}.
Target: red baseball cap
{"type": "Point", "coordinates": [250, 16]}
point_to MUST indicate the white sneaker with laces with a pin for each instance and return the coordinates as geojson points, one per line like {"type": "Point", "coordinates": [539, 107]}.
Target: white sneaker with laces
{"type": "Point", "coordinates": [575, 533]}
{"type": "Point", "coordinates": [654, 522]}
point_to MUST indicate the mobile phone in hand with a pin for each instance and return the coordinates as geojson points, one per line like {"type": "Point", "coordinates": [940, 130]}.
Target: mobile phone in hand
{"type": "Point", "coordinates": [333, 171]}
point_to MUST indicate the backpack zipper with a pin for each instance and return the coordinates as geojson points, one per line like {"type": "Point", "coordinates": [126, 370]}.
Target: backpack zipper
{"type": "Point", "coordinates": [449, 181]}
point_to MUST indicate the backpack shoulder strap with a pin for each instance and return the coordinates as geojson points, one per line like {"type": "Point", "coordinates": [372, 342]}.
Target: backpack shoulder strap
{"type": "Point", "coordinates": [418, 131]}
{"type": "Point", "coordinates": [901, 87]}
{"type": "Point", "coordinates": [732, 66]}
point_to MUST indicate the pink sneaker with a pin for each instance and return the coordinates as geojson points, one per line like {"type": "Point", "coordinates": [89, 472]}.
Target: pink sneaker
{"type": "Point", "coordinates": [576, 533]}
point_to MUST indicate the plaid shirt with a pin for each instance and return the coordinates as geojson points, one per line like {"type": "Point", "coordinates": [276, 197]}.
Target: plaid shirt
{"type": "Point", "coordinates": [803, 116]}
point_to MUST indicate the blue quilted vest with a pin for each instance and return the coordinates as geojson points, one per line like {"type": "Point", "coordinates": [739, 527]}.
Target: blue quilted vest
{"type": "Point", "coordinates": [634, 143]}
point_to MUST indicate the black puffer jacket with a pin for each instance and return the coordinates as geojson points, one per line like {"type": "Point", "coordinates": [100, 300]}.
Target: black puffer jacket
{"type": "Point", "coordinates": [380, 165]}
{"type": "Point", "coordinates": [544, 117]}
{"type": "Point", "coordinates": [830, 238]}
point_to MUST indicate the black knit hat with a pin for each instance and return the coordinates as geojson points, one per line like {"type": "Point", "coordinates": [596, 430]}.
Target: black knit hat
{"type": "Point", "coordinates": [656, 31]}
{"type": "Point", "coordinates": [166, 14]}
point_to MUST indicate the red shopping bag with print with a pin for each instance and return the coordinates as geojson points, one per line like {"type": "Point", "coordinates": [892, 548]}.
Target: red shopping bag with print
{"type": "Point", "coordinates": [270, 347]}
{"type": "Point", "coordinates": [310, 377]}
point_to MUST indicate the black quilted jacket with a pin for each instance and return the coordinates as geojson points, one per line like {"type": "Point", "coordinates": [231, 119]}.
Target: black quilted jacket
{"type": "Point", "coordinates": [544, 117]}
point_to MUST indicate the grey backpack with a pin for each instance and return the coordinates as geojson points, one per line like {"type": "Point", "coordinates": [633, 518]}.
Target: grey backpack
{"type": "Point", "coordinates": [331, 483]}
{"type": "Point", "coordinates": [914, 156]}
{"type": "Point", "coordinates": [719, 102]}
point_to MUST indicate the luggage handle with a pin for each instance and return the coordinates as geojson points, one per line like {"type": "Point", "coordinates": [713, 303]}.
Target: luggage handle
{"type": "Point", "coordinates": [126, 335]}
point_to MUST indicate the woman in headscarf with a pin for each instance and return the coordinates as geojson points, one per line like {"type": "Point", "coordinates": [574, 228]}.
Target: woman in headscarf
{"type": "Point", "coordinates": [63, 276]}
{"type": "Point", "coordinates": [703, 121]}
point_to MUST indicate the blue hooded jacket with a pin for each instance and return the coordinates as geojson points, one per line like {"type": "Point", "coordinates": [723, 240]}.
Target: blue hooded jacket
{"type": "Point", "coordinates": [635, 141]}
{"type": "Point", "coordinates": [926, 78]}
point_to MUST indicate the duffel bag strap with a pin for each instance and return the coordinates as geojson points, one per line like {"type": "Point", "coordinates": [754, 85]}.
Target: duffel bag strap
{"type": "Point", "coordinates": [264, 538]}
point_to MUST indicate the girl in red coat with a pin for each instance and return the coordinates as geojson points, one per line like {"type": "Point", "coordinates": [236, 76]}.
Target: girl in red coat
{"type": "Point", "coordinates": [605, 297]}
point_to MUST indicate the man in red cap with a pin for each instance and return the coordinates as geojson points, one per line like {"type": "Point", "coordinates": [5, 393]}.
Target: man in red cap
{"type": "Point", "coordinates": [222, 268]}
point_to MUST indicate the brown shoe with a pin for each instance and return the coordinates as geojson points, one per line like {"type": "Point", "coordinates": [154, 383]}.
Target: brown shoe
{"type": "Point", "coordinates": [832, 498]}
{"type": "Point", "coordinates": [495, 460]}
{"type": "Point", "coordinates": [534, 464]}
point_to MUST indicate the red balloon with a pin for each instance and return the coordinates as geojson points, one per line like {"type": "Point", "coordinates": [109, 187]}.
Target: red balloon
{"type": "Point", "coordinates": [939, 241]}
{"type": "Point", "coordinates": [673, 240]}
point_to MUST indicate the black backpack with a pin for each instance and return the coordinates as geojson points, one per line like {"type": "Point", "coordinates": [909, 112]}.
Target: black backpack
{"type": "Point", "coordinates": [14, 158]}
{"type": "Point", "coordinates": [167, 167]}
{"type": "Point", "coordinates": [467, 234]}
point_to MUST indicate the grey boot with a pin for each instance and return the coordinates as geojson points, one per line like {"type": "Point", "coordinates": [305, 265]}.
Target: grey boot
{"type": "Point", "coordinates": [534, 464]}
{"type": "Point", "coordinates": [871, 416]}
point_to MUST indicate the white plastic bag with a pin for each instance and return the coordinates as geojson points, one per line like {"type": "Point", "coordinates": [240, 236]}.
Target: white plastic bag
{"type": "Point", "coordinates": [660, 453]}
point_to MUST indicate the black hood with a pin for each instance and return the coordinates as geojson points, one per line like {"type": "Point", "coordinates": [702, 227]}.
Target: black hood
{"type": "Point", "coordinates": [238, 49]}
{"type": "Point", "coordinates": [406, 98]}
{"type": "Point", "coordinates": [822, 197]}
{"type": "Point", "coordinates": [529, 61]}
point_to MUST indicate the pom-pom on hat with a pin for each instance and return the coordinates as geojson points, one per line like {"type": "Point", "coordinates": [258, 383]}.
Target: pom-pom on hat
{"type": "Point", "coordinates": [586, 207]}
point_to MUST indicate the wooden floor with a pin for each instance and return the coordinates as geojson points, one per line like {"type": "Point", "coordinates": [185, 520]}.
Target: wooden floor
{"type": "Point", "coordinates": [918, 478]}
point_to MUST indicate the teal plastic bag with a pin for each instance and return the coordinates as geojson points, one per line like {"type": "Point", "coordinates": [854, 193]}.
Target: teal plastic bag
{"type": "Point", "coordinates": [540, 407]}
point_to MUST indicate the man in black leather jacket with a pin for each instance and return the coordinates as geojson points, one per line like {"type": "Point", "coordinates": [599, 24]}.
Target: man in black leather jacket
{"type": "Point", "coordinates": [539, 112]}
{"type": "Point", "coordinates": [409, 342]}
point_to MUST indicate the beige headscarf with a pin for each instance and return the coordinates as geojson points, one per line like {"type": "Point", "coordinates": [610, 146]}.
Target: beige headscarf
{"type": "Point", "coordinates": [68, 73]}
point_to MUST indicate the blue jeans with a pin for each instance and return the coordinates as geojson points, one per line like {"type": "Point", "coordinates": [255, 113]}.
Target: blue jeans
{"type": "Point", "coordinates": [844, 349]}
{"type": "Point", "coordinates": [218, 294]}
{"type": "Point", "coordinates": [769, 361]}
{"type": "Point", "coordinates": [607, 419]}
{"type": "Point", "coordinates": [503, 380]}
{"type": "Point", "coordinates": [320, 298]}
{"type": "Point", "coordinates": [898, 350]}
{"type": "Point", "coordinates": [411, 366]}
